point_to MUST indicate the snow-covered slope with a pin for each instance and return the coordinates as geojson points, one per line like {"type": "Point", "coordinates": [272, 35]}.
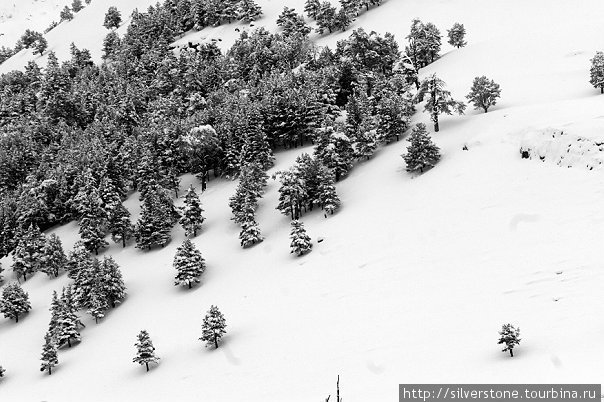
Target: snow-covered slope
{"type": "Point", "coordinates": [415, 275]}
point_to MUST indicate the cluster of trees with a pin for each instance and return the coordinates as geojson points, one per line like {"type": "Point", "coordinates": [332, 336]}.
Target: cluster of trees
{"type": "Point", "coordinates": [332, 19]}
{"type": "Point", "coordinates": [244, 203]}
{"type": "Point", "coordinates": [213, 329]}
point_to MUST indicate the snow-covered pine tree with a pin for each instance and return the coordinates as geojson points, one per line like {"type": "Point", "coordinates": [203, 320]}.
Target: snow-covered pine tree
{"type": "Point", "coordinates": [250, 232]}
{"type": "Point", "coordinates": [301, 242]}
{"type": "Point", "coordinates": [229, 11]}
{"type": "Point", "coordinates": [189, 264]}
{"type": "Point", "coordinates": [292, 193]}
{"type": "Point", "coordinates": [14, 301]}
{"type": "Point", "coordinates": [249, 11]}
{"type": "Point", "coordinates": [393, 115]}
{"type": "Point", "coordinates": [292, 23]}
{"type": "Point", "coordinates": [191, 217]}
{"type": "Point", "coordinates": [76, 5]}
{"type": "Point", "coordinates": [145, 351]}
{"type": "Point", "coordinates": [92, 220]}
{"type": "Point", "coordinates": [213, 328]}
{"type": "Point", "coordinates": [68, 321]}
{"type": "Point", "coordinates": [66, 14]}
{"type": "Point", "coordinates": [55, 311]}
{"type": "Point", "coordinates": [98, 303]}
{"type": "Point", "coordinates": [78, 259]}
{"type": "Point", "coordinates": [112, 284]}
{"type": "Point", "coordinates": [457, 35]}
{"type": "Point", "coordinates": [286, 16]}
{"type": "Point", "coordinates": [510, 337]}
{"type": "Point", "coordinates": [311, 8]}
{"type": "Point", "coordinates": [334, 149]}
{"type": "Point", "coordinates": [327, 197]}
{"type": "Point", "coordinates": [2, 371]}
{"type": "Point", "coordinates": [49, 354]}
{"type": "Point", "coordinates": [27, 255]}
{"type": "Point", "coordinates": [596, 72]}
{"type": "Point", "coordinates": [438, 100]}
{"type": "Point", "coordinates": [424, 43]}
{"type": "Point", "coordinates": [326, 17]}
{"type": "Point", "coordinates": [120, 226]}
{"type": "Point", "coordinates": [422, 152]}
{"type": "Point", "coordinates": [484, 93]}
{"type": "Point", "coordinates": [53, 256]}
{"type": "Point", "coordinates": [113, 18]}
{"type": "Point", "coordinates": [111, 44]}
{"type": "Point", "coordinates": [365, 140]}
{"type": "Point", "coordinates": [351, 7]}
{"type": "Point", "coordinates": [342, 20]}
{"type": "Point", "coordinates": [155, 222]}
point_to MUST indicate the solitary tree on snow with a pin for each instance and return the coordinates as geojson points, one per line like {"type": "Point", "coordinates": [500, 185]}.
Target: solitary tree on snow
{"type": "Point", "coordinates": [14, 301]}
{"type": "Point", "coordinates": [213, 327]}
{"type": "Point", "coordinates": [510, 337]}
{"type": "Point", "coordinates": [189, 264]}
{"type": "Point", "coordinates": [438, 100]}
{"type": "Point", "coordinates": [301, 242]}
{"type": "Point", "coordinates": [49, 353]}
{"type": "Point", "coordinates": [456, 35]}
{"type": "Point", "coordinates": [596, 73]}
{"type": "Point", "coordinates": [422, 152]}
{"type": "Point", "coordinates": [484, 93]}
{"type": "Point", "coordinates": [145, 351]}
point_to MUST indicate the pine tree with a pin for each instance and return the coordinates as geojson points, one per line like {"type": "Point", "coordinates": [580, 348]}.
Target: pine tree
{"type": "Point", "coordinates": [249, 11]}
{"type": "Point", "coordinates": [98, 303]}
{"type": "Point", "coordinates": [422, 152]}
{"type": "Point", "coordinates": [113, 18]}
{"type": "Point", "coordinates": [439, 100]}
{"type": "Point", "coordinates": [92, 219]}
{"type": "Point", "coordinates": [456, 35]}
{"type": "Point", "coordinates": [112, 284]}
{"type": "Point", "coordinates": [365, 142]}
{"type": "Point", "coordinates": [424, 43]}
{"type": "Point", "coordinates": [145, 351]}
{"type": "Point", "coordinates": [49, 354]}
{"type": "Point", "coordinates": [53, 256]}
{"type": "Point", "coordinates": [250, 232]}
{"type": "Point", "coordinates": [78, 260]}
{"type": "Point", "coordinates": [484, 93]}
{"type": "Point", "coordinates": [301, 242]}
{"type": "Point", "coordinates": [327, 197]}
{"type": "Point", "coordinates": [292, 193]}
{"type": "Point", "coordinates": [213, 327]}
{"type": "Point", "coordinates": [68, 321]}
{"type": "Point", "coordinates": [326, 17]}
{"type": "Point", "coordinates": [55, 311]}
{"type": "Point", "coordinates": [14, 301]}
{"type": "Point", "coordinates": [2, 371]}
{"type": "Point", "coordinates": [311, 8]}
{"type": "Point", "coordinates": [351, 7]}
{"type": "Point", "coordinates": [66, 14]}
{"type": "Point", "coordinates": [191, 217]}
{"type": "Point", "coordinates": [111, 44]}
{"type": "Point", "coordinates": [596, 72]}
{"type": "Point", "coordinates": [342, 20]}
{"type": "Point", "coordinates": [76, 5]}
{"type": "Point", "coordinates": [155, 222]}
{"type": "Point", "coordinates": [28, 253]}
{"type": "Point", "coordinates": [118, 217]}
{"type": "Point", "coordinates": [189, 264]}
{"type": "Point", "coordinates": [510, 337]}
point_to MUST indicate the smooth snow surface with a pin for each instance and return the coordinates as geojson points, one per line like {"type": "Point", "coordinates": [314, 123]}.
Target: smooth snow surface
{"type": "Point", "coordinates": [416, 274]}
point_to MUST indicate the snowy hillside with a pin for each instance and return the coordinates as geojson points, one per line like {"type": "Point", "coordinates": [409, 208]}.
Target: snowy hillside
{"type": "Point", "coordinates": [414, 275]}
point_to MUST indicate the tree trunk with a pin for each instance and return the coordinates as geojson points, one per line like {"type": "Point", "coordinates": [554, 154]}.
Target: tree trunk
{"type": "Point", "coordinates": [147, 364]}
{"type": "Point", "coordinates": [189, 285]}
{"type": "Point", "coordinates": [216, 341]}
{"type": "Point", "coordinates": [436, 127]}
{"type": "Point", "coordinates": [123, 241]}
{"type": "Point", "coordinates": [511, 353]}
{"type": "Point", "coordinates": [69, 342]}
{"type": "Point", "coordinates": [49, 370]}
{"type": "Point", "coordinates": [17, 317]}
{"type": "Point", "coordinates": [602, 90]}
{"type": "Point", "coordinates": [486, 109]}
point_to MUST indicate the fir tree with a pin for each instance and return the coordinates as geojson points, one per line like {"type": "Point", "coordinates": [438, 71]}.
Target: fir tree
{"type": "Point", "coordinates": [111, 44]}
{"type": "Point", "coordinates": [92, 220]}
{"type": "Point", "coordinates": [189, 264]}
{"type": "Point", "coordinates": [28, 253]}
{"type": "Point", "coordinates": [213, 327]}
{"type": "Point", "coordinates": [351, 7]}
{"type": "Point", "coordinates": [78, 260]}
{"type": "Point", "coordinates": [596, 72]}
{"type": "Point", "coordinates": [250, 232]}
{"type": "Point", "coordinates": [422, 152]}
{"type": "Point", "coordinates": [249, 11]}
{"type": "Point", "coordinates": [510, 337]}
{"type": "Point", "coordinates": [456, 35]}
{"type": "Point", "coordinates": [326, 17]}
{"type": "Point", "coordinates": [2, 371]}
{"type": "Point", "coordinates": [484, 93]}
{"type": "Point", "coordinates": [55, 312]}
{"type": "Point", "coordinates": [112, 283]}
{"type": "Point", "coordinates": [191, 217]}
{"type": "Point", "coordinates": [155, 222]}
{"type": "Point", "coordinates": [145, 351]}
{"type": "Point", "coordinates": [438, 100]}
{"type": "Point", "coordinates": [292, 193]}
{"type": "Point", "coordinates": [76, 5]}
{"type": "Point", "coordinates": [424, 43]}
{"type": "Point", "coordinates": [113, 18]}
{"type": "Point", "coordinates": [301, 242]}
{"type": "Point", "coordinates": [98, 303]}
{"type": "Point", "coordinates": [66, 14]}
{"type": "Point", "coordinates": [14, 301]}
{"type": "Point", "coordinates": [342, 20]}
{"type": "Point", "coordinates": [49, 354]}
{"type": "Point", "coordinates": [327, 197]}
{"type": "Point", "coordinates": [118, 217]}
{"type": "Point", "coordinates": [68, 321]}
{"type": "Point", "coordinates": [53, 256]}
{"type": "Point", "coordinates": [311, 8]}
